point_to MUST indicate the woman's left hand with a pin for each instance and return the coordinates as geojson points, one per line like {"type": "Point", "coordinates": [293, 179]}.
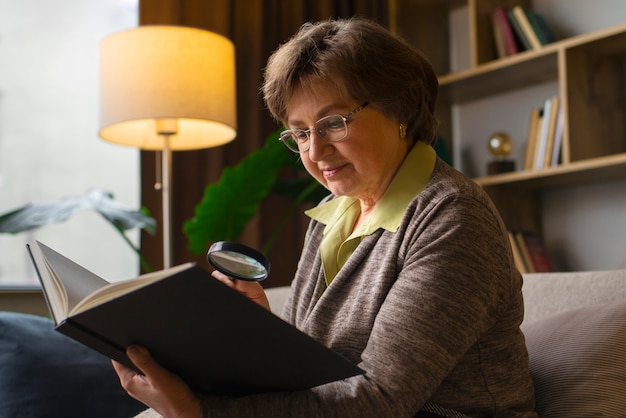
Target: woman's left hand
{"type": "Point", "coordinates": [158, 388]}
{"type": "Point", "coordinates": [252, 290]}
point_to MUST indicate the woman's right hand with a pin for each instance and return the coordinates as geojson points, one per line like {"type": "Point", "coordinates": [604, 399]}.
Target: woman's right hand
{"type": "Point", "coordinates": [252, 290]}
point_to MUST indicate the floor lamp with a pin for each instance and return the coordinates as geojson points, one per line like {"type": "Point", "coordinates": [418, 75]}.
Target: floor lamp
{"type": "Point", "coordinates": [167, 88]}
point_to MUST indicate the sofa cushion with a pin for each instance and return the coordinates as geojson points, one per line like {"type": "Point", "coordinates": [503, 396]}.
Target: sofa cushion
{"type": "Point", "coordinates": [546, 294]}
{"type": "Point", "coordinates": [45, 374]}
{"type": "Point", "coordinates": [578, 361]}
{"type": "Point", "coordinates": [277, 297]}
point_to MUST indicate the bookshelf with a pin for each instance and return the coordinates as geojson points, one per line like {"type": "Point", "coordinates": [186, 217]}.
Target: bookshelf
{"type": "Point", "coordinates": [586, 71]}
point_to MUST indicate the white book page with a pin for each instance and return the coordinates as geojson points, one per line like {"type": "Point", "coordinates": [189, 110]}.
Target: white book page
{"type": "Point", "coordinates": [113, 290]}
{"type": "Point", "coordinates": [53, 288]}
{"type": "Point", "coordinates": [77, 281]}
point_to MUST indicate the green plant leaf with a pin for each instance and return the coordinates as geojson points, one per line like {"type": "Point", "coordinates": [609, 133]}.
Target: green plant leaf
{"type": "Point", "coordinates": [36, 215]}
{"type": "Point", "coordinates": [291, 189]}
{"type": "Point", "coordinates": [121, 217]}
{"type": "Point", "coordinates": [229, 204]}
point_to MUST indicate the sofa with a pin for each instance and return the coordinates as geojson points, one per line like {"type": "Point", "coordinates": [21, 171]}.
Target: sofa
{"type": "Point", "coordinates": [575, 328]}
{"type": "Point", "coordinates": [44, 374]}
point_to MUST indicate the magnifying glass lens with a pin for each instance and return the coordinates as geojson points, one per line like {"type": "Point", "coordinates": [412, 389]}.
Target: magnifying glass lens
{"type": "Point", "coordinates": [238, 261]}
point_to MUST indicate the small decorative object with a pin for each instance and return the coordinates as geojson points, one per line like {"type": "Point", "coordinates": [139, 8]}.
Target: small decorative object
{"type": "Point", "coordinates": [500, 146]}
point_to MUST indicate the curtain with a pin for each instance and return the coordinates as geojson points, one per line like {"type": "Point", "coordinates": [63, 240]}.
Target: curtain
{"type": "Point", "coordinates": [256, 28]}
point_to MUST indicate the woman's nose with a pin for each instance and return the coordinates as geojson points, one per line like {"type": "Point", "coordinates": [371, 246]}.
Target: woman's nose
{"type": "Point", "coordinates": [318, 147]}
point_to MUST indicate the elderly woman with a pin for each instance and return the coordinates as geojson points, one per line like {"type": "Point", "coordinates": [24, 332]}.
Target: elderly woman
{"type": "Point", "coordinates": [406, 268]}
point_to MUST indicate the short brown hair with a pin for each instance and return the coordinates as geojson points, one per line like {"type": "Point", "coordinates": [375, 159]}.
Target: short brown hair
{"type": "Point", "coordinates": [366, 62]}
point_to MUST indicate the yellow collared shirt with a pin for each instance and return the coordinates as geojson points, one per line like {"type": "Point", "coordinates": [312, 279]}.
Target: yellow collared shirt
{"type": "Point", "coordinates": [340, 214]}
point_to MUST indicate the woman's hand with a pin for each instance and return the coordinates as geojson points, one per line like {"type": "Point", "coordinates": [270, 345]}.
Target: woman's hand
{"type": "Point", "coordinates": [158, 388]}
{"type": "Point", "coordinates": [252, 290]}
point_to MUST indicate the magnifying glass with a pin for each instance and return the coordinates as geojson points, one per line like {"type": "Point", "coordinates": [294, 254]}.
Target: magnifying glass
{"type": "Point", "coordinates": [238, 261]}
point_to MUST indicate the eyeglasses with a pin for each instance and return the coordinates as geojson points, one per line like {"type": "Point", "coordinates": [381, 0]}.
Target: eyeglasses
{"type": "Point", "coordinates": [331, 128]}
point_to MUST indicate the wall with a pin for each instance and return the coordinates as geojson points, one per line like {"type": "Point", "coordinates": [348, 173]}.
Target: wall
{"type": "Point", "coordinates": [585, 226]}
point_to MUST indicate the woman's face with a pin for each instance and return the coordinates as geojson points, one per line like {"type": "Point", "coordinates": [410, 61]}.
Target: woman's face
{"type": "Point", "coordinates": [361, 165]}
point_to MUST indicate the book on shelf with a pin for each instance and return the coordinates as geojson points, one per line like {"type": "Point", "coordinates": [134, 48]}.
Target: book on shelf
{"type": "Point", "coordinates": [535, 252]}
{"type": "Point", "coordinates": [523, 41]}
{"type": "Point", "coordinates": [540, 27]}
{"type": "Point", "coordinates": [523, 250]}
{"type": "Point", "coordinates": [542, 137]}
{"type": "Point", "coordinates": [520, 264]}
{"type": "Point", "coordinates": [214, 338]}
{"type": "Point", "coordinates": [530, 28]}
{"type": "Point", "coordinates": [498, 37]}
{"type": "Point", "coordinates": [506, 42]}
{"type": "Point", "coordinates": [558, 139]}
{"type": "Point", "coordinates": [531, 138]}
{"type": "Point", "coordinates": [518, 14]}
{"type": "Point", "coordinates": [551, 135]}
{"type": "Point", "coordinates": [546, 132]}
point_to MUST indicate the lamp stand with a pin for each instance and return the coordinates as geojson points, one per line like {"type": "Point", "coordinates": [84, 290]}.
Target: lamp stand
{"type": "Point", "coordinates": [166, 128]}
{"type": "Point", "coordinates": [166, 161]}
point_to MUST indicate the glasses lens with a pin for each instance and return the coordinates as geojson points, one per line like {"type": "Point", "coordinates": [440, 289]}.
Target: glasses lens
{"type": "Point", "coordinates": [294, 139]}
{"type": "Point", "coordinates": [332, 128]}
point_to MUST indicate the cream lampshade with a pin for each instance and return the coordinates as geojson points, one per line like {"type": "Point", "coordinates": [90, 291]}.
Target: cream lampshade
{"type": "Point", "coordinates": [167, 88]}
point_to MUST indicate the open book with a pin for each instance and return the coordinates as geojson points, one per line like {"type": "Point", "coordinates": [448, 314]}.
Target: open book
{"type": "Point", "coordinates": [210, 335]}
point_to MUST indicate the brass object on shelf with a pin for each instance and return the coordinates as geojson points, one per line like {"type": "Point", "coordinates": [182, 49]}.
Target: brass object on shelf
{"type": "Point", "coordinates": [500, 146]}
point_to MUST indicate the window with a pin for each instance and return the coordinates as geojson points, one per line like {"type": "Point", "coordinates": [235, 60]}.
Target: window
{"type": "Point", "coordinates": [49, 144]}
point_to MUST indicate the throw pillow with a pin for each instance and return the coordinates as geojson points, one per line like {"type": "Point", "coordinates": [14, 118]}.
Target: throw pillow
{"type": "Point", "coordinates": [578, 361]}
{"type": "Point", "coordinates": [45, 374]}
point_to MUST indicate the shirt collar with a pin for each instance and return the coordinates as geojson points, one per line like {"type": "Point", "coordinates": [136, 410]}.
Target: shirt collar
{"type": "Point", "coordinates": [411, 178]}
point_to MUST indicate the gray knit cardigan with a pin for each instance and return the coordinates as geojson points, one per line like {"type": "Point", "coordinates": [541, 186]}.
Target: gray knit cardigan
{"type": "Point", "coordinates": [430, 312]}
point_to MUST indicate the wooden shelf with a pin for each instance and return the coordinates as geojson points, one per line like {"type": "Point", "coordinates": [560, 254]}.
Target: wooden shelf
{"type": "Point", "coordinates": [524, 68]}
{"type": "Point", "coordinates": [612, 167]}
{"type": "Point", "coordinates": [500, 76]}
{"type": "Point", "coordinates": [587, 70]}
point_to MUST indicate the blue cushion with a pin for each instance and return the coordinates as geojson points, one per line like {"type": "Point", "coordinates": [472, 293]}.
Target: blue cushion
{"type": "Point", "coordinates": [45, 374]}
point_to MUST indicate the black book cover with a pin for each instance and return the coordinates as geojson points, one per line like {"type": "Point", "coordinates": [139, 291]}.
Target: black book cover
{"type": "Point", "coordinates": [214, 338]}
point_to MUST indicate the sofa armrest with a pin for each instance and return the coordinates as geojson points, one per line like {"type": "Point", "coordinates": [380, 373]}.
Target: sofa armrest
{"type": "Point", "coordinates": [277, 297]}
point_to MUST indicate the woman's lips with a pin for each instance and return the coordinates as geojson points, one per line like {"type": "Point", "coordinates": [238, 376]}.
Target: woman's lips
{"type": "Point", "coordinates": [331, 172]}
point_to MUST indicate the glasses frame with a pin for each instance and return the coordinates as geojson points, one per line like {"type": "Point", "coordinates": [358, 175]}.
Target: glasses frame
{"type": "Point", "coordinates": [299, 149]}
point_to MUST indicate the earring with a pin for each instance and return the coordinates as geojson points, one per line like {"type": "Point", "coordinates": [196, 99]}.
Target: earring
{"type": "Point", "coordinates": [402, 130]}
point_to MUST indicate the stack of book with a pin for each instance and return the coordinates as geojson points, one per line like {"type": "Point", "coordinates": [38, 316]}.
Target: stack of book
{"type": "Point", "coordinates": [530, 252]}
{"type": "Point", "coordinates": [545, 135]}
{"type": "Point", "coordinates": [516, 29]}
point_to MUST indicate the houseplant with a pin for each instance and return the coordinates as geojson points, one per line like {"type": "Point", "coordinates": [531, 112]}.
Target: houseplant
{"type": "Point", "coordinates": [230, 203]}
{"type": "Point", "coordinates": [121, 217]}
